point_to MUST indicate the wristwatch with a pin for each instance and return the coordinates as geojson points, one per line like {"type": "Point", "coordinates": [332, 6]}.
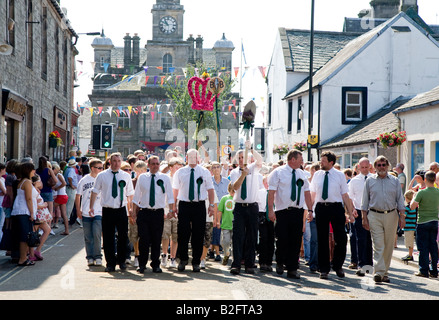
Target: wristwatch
{"type": "Point", "coordinates": [171, 211]}
{"type": "Point", "coordinates": [310, 211]}
{"type": "Point", "coordinates": [211, 205]}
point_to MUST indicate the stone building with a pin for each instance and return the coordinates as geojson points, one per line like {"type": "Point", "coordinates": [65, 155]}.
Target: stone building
{"type": "Point", "coordinates": [36, 78]}
{"type": "Point", "coordinates": [134, 81]}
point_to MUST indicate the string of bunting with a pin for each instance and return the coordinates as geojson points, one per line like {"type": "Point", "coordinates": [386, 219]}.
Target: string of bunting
{"type": "Point", "coordinates": [152, 109]}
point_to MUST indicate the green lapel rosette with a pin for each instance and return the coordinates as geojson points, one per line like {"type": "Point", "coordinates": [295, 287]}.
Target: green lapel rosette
{"type": "Point", "coordinates": [199, 182]}
{"type": "Point", "coordinates": [161, 184]}
{"type": "Point", "coordinates": [299, 184]}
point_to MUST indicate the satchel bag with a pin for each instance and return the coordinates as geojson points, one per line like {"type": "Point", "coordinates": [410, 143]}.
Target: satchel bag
{"type": "Point", "coordinates": [33, 237]}
{"type": "Point", "coordinates": [51, 181]}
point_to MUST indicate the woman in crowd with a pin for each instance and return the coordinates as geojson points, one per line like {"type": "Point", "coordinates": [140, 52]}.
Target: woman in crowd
{"type": "Point", "coordinates": [48, 180]}
{"type": "Point", "coordinates": [24, 212]}
{"type": "Point", "coordinates": [61, 197]}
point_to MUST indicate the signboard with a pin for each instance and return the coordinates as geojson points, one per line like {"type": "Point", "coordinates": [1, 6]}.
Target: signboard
{"type": "Point", "coordinates": [226, 150]}
{"type": "Point", "coordinates": [216, 85]}
{"type": "Point", "coordinates": [313, 141]}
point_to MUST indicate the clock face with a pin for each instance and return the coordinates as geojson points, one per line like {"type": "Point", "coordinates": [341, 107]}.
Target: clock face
{"type": "Point", "coordinates": [168, 25]}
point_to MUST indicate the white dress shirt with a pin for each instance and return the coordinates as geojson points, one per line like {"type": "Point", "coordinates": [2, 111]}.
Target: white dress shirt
{"type": "Point", "coordinates": [356, 187]}
{"type": "Point", "coordinates": [181, 181]}
{"type": "Point", "coordinates": [280, 181]}
{"type": "Point", "coordinates": [104, 184]}
{"type": "Point", "coordinates": [337, 185]}
{"type": "Point", "coordinates": [252, 183]}
{"type": "Point", "coordinates": [143, 186]}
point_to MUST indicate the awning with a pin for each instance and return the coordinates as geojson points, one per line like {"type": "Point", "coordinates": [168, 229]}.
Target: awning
{"type": "Point", "coordinates": [13, 105]}
{"type": "Point", "coordinates": [151, 145]}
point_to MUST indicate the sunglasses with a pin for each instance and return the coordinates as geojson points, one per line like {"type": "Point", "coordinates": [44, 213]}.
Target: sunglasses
{"type": "Point", "coordinates": [99, 168]}
{"type": "Point", "coordinates": [127, 170]}
{"type": "Point", "coordinates": [382, 165]}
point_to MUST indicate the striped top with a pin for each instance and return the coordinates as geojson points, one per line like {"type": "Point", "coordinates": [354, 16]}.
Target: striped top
{"type": "Point", "coordinates": [410, 218]}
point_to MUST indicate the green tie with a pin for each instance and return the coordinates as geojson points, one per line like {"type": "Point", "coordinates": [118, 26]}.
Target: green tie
{"type": "Point", "coordinates": [325, 187]}
{"type": "Point", "coordinates": [114, 187]}
{"type": "Point", "coordinates": [192, 186]}
{"type": "Point", "coordinates": [244, 189]}
{"type": "Point", "coordinates": [152, 192]}
{"type": "Point", "coordinates": [293, 186]}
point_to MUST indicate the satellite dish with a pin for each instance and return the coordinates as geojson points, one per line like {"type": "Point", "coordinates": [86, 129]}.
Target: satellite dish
{"type": "Point", "coordinates": [5, 49]}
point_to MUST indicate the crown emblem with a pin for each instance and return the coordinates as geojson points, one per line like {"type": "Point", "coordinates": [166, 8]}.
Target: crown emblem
{"type": "Point", "coordinates": [201, 101]}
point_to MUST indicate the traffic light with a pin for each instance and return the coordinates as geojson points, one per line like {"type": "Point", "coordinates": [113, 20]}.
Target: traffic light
{"type": "Point", "coordinates": [96, 137]}
{"type": "Point", "coordinates": [106, 137]}
{"type": "Point", "coordinates": [259, 144]}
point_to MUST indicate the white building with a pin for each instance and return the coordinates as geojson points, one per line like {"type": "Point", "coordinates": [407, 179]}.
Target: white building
{"type": "Point", "coordinates": [397, 58]}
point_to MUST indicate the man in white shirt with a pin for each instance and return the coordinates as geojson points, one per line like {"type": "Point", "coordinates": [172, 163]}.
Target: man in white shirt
{"type": "Point", "coordinates": [245, 182]}
{"type": "Point", "coordinates": [289, 191]}
{"type": "Point", "coordinates": [192, 186]}
{"type": "Point", "coordinates": [153, 192]}
{"type": "Point", "coordinates": [361, 237]}
{"type": "Point", "coordinates": [116, 188]}
{"type": "Point", "coordinates": [329, 191]}
{"type": "Point", "coordinates": [92, 224]}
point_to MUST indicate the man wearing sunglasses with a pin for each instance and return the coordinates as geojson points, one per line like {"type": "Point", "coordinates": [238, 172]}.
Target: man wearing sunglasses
{"type": "Point", "coordinates": [382, 200]}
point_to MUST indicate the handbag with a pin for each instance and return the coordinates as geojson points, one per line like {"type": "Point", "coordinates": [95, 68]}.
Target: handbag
{"type": "Point", "coordinates": [51, 181]}
{"type": "Point", "coordinates": [33, 237]}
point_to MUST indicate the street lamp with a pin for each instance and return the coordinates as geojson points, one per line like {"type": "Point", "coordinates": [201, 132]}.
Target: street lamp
{"type": "Point", "coordinates": [87, 34]}
{"type": "Point", "coordinates": [311, 54]}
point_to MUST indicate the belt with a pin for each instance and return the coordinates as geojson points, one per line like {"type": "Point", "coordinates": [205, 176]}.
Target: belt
{"type": "Point", "coordinates": [244, 204]}
{"type": "Point", "coordinates": [293, 208]}
{"type": "Point", "coordinates": [329, 203]}
{"type": "Point", "coordinates": [384, 212]}
{"type": "Point", "coordinates": [150, 209]}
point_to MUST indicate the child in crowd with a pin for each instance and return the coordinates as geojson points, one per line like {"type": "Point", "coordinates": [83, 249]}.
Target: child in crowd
{"type": "Point", "coordinates": [410, 225]}
{"type": "Point", "coordinates": [224, 221]}
{"type": "Point", "coordinates": [43, 218]}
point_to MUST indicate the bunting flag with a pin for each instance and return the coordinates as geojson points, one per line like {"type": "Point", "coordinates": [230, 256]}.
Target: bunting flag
{"type": "Point", "coordinates": [106, 65]}
{"type": "Point", "coordinates": [146, 80]}
{"type": "Point", "coordinates": [236, 69]}
{"type": "Point", "coordinates": [146, 70]}
{"type": "Point", "coordinates": [262, 70]}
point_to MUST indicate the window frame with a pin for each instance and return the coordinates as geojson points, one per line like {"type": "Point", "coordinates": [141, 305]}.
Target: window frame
{"type": "Point", "coordinates": [363, 104]}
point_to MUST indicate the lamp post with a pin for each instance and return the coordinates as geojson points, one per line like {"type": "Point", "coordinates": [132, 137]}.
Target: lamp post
{"type": "Point", "coordinates": [310, 100]}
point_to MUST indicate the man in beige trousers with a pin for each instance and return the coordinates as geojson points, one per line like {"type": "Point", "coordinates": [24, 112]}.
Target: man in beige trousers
{"type": "Point", "coordinates": [382, 200]}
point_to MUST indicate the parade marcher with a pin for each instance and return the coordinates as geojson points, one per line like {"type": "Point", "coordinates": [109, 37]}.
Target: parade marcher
{"type": "Point", "coordinates": [170, 227]}
{"type": "Point", "coordinates": [266, 229]}
{"type": "Point", "coordinates": [192, 186]}
{"type": "Point", "coordinates": [329, 191]}
{"type": "Point", "coordinates": [289, 191]}
{"type": "Point", "coordinates": [382, 199]}
{"type": "Point", "coordinates": [245, 225]}
{"type": "Point", "coordinates": [92, 224]}
{"type": "Point", "coordinates": [153, 192]}
{"type": "Point", "coordinates": [427, 201]}
{"type": "Point", "coordinates": [362, 239]}
{"type": "Point", "coordinates": [220, 185]}
{"type": "Point", "coordinates": [116, 188]}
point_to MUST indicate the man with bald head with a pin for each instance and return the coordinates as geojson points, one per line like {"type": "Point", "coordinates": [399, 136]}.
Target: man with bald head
{"type": "Point", "coordinates": [361, 238]}
{"type": "Point", "coordinates": [192, 186]}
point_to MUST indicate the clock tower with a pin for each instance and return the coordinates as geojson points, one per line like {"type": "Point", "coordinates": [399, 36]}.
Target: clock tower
{"type": "Point", "coordinates": [167, 51]}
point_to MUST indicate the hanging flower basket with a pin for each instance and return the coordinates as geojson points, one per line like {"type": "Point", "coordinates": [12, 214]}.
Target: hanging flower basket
{"type": "Point", "coordinates": [392, 139]}
{"type": "Point", "coordinates": [300, 146]}
{"type": "Point", "coordinates": [55, 139]}
{"type": "Point", "coordinates": [281, 149]}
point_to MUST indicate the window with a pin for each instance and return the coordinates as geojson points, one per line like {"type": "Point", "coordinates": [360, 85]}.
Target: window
{"type": "Point", "coordinates": [269, 110]}
{"type": "Point", "coordinates": [354, 104]}
{"type": "Point", "coordinates": [29, 34]}
{"type": "Point", "coordinates": [10, 21]}
{"type": "Point", "coordinates": [417, 156]}
{"type": "Point", "coordinates": [56, 57]}
{"type": "Point", "coordinates": [167, 63]}
{"type": "Point", "coordinates": [123, 122]}
{"type": "Point", "coordinates": [290, 116]}
{"type": "Point", "coordinates": [165, 119]}
{"type": "Point", "coordinates": [299, 114]}
{"type": "Point", "coordinates": [44, 43]}
{"type": "Point", "coordinates": [65, 62]}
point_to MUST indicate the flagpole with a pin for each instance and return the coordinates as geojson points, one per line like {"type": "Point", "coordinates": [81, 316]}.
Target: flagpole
{"type": "Point", "coordinates": [240, 79]}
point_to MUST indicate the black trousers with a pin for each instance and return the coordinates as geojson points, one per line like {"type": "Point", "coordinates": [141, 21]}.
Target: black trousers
{"type": "Point", "coordinates": [150, 230]}
{"type": "Point", "coordinates": [191, 225]}
{"type": "Point", "coordinates": [266, 240]}
{"type": "Point", "coordinates": [112, 220]}
{"type": "Point", "coordinates": [363, 242]}
{"type": "Point", "coordinates": [289, 232]}
{"type": "Point", "coordinates": [245, 232]}
{"type": "Point", "coordinates": [333, 213]}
